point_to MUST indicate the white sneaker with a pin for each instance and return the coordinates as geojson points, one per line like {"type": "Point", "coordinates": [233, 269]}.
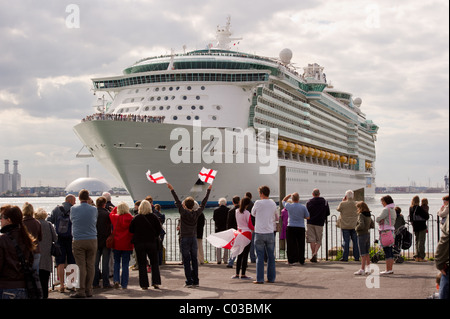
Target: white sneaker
{"type": "Point", "coordinates": [386, 272]}
{"type": "Point", "coordinates": [359, 272]}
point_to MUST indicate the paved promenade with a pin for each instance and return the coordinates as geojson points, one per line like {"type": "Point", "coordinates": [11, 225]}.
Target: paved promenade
{"type": "Point", "coordinates": [322, 280]}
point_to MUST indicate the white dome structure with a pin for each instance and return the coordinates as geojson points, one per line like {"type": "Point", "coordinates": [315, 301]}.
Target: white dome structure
{"type": "Point", "coordinates": [286, 56]}
{"type": "Point", "coordinates": [93, 185]}
{"type": "Point", "coordinates": [357, 102]}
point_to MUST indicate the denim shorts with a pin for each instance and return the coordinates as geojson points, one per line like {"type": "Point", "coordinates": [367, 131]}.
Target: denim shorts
{"type": "Point", "coordinates": [364, 244]}
{"type": "Point", "coordinates": [66, 252]}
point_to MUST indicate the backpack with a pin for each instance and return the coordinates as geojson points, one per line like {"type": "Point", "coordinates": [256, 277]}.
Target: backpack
{"type": "Point", "coordinates": [63, 224]}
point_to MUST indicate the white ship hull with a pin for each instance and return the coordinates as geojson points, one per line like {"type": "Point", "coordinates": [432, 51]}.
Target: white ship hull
{"type": "Point", "coordinates": [128, 149]}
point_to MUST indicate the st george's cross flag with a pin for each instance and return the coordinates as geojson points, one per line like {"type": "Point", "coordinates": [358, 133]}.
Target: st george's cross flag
{"type": "Point", "coordinates": [156, 178]}
{"type": "Point", "coordinates": [232, 239]}
{"type": "Point", "coordinates": [207, 175]}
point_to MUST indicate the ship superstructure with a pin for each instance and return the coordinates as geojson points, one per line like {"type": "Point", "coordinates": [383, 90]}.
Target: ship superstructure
{"type": "Point", "coordinates": [324, 139]}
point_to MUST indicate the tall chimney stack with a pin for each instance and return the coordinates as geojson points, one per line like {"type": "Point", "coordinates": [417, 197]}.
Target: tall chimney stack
{"type": "Point", "coordinates": [6, 166]}
{"type": "Point", "coordinates": [15, 168]}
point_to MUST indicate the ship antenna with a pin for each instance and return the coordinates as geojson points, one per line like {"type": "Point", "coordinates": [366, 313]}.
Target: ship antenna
{"type": "Point", "coordinates": [223, 36]}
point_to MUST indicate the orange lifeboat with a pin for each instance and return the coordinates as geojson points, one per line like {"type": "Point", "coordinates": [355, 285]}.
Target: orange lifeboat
{"type": "Point", "coordinates": [298, 149]}
{"type": "Point", "coordinates": [282, 145]}
{"type": "Point", "coordinates": [304, 150]}
{"type": "Point", "coordinates": [290, 147]}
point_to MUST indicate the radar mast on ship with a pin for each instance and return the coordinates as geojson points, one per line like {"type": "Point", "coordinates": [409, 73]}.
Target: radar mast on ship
{"type": "Point", "coordinates": [223, 36]}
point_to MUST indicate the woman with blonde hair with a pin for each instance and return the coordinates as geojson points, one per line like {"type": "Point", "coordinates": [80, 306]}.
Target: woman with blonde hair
{"type": "Point", "coordinates": [146, 229]}
{"type": "Point", "coordinates": [48, 238]}
{"type": "Point", "coordinates": [122, 248]}
{"type": "Point", "coordinates": [418, 217]}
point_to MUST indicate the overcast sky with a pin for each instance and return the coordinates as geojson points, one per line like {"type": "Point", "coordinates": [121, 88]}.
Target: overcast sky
{"type": "Point", "coordinates": [392, 54]}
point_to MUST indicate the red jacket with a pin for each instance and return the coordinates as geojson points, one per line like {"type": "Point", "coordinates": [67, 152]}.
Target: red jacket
{"type": "Point", "coordinates": [122, 236]}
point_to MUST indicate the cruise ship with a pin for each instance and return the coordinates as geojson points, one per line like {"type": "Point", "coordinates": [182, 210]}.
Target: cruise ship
{"type": "Point", "coordinates": [249, 117]}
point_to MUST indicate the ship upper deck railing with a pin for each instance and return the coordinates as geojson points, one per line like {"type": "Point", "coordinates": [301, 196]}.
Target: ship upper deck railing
{"type": "Point", "coordinates": [124, 118]}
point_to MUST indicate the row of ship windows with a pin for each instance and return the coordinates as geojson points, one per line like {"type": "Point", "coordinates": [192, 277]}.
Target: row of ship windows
{"type": "Point", "coordinates": [161, 108]}
{"type": "Point", "coordinates": [170, 88]}
{"type": "Point", "coordinates": [189, 117]}
{"type": "Point", "coordinates": [157, 98]}
{"type": "Point", "coordinates": [181, 77]}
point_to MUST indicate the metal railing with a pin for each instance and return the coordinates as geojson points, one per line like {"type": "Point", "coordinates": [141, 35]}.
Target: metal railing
{"type": "Point", "coordinates": [332, 240]}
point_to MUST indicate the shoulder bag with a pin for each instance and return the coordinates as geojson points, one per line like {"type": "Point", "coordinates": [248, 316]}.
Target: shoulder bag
{"type": "Point", "coordinates": [387, 236]}
{"type": "Point", "coordinates": [110, 239]}
{"type": "Point", "coordinates": [55, 250]}
{"type": "Point", "coordinates": [158, 241]}
{"type": "Point", "coordinates": [32, 282]}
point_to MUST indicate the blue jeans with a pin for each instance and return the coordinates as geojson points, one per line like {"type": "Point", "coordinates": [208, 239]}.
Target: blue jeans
{"type": "Point", "coordinates": [443, 287]}
{"type": "Point", "coordinates": [189, 253]}
{"type": "Point", "coordinates": [252, 249]}
{"type": "Point", "coordinates": [123, 255]}
{"type": "Point", "coordinates": [104, 254]}
{"type": "Point", "coordinates": [16, 293]}
{"type": "Point", "coordinates": [263, 243]}
{"type": "Point", "coordinates": [350, 234]}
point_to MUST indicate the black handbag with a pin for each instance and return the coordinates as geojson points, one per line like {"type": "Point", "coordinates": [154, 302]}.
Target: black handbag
{"type": "Point", "coordinates": [159, 245]}
{"type": "Point", "coordinates": [55, 250]}
{"type": "Point", "coordinates": [32, 281]}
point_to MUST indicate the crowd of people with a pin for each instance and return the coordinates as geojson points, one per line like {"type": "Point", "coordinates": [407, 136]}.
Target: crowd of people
{"type": "Point", "coordinates": [88, 233]}
{"type": "Point", "coordinates": [124, 117]}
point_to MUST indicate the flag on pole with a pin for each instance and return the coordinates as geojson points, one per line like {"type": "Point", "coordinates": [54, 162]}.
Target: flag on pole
{"type": "Point", "coordinates": [156, 178]}
{"type": "Point", "coordinates": [207, 175]}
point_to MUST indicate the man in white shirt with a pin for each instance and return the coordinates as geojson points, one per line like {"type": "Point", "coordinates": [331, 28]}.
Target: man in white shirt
{"type": "Point", "coordinates": [264, 211]}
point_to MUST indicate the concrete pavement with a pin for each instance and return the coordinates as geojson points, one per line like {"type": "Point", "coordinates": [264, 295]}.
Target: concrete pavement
{"type": "Point", "coordinates": [322, 280]}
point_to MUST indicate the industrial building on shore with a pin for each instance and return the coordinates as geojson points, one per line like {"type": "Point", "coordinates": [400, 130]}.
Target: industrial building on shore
{"type": "Point", "coordinates": [10, 182]}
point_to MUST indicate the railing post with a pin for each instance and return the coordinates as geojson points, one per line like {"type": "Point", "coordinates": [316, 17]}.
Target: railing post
{"type": "Point", "coordinates": [326, 239]}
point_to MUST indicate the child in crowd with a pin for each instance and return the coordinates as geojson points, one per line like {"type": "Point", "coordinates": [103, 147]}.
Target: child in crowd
{"type": "Point", "coordinates": [363, 224]}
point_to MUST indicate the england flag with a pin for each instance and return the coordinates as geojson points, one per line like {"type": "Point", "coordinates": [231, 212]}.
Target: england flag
{"type": "Point", "coordinates": [207, 175]}
{"type": "Point", "coordinates": [156, 178]}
